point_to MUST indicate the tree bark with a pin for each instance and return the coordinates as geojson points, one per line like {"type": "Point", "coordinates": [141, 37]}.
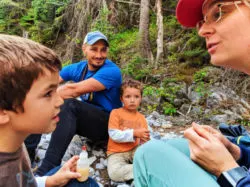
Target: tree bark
{"type": "Point", "coordinates": [78, 19]}
{"type": "Point", "coordinates": [144, 44]}
{"type": "Point", "coordinates": [159, 55]}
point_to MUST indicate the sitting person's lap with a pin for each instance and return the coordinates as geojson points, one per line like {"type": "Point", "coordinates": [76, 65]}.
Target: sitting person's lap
{"type": "Point", "coordinates": [75, 183]}
{"type": "Point", "coordinates": [159, 163]}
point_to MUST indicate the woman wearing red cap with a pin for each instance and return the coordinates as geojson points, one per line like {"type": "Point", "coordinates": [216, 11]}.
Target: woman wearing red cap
{"type": "Point", "coordinates": [215, 161]}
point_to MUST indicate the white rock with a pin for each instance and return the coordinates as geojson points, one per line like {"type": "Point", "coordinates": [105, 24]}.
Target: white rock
{"type": "Point", "coordinates": [92, 159]}
{"type": "Point", "coordinates": [91, 171]}
{"type": "Point", "coordinates": [100, 185]}
{"type": "Point", "coordinates": [97, 173]}
{"type": "Point", "coordinates": [98, 153]}
{"type": "Point", "coordinates": [104, 162]}
{"type": "Point", "coordinates": [99, 166]}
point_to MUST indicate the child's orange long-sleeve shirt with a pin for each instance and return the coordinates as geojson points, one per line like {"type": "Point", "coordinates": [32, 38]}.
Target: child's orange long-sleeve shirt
{"type": "Point", "coordinates": [122, 119]}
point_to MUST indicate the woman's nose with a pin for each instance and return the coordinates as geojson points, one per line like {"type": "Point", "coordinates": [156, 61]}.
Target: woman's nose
{"type": "Point", "coordinates": [206, 30]}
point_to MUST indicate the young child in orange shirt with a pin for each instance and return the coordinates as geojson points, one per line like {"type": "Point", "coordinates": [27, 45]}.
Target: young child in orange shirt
{"type": "Point", "coordinates": [127, 129]}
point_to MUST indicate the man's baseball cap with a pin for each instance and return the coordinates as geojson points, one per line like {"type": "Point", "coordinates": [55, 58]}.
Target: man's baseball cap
{"type": "Point", "coordinates": [189, 12]}
{"type": "Point", "coordinates": [93, 37]}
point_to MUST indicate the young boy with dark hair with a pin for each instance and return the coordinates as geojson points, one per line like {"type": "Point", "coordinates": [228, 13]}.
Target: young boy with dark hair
{"type": "Point", "coordinates": [29, 103]}
{"type": "Point", "coordinates": [127, 129]}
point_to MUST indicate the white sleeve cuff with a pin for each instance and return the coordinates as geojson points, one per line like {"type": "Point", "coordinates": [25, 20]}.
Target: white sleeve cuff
{"type": "Point", "coordinates": [122, 136]}
{"type": "Point", "coordinates": [41, 181]}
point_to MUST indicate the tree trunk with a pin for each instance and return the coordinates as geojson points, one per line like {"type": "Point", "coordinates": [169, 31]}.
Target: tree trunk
{"type": "Point", "coordinates": [144, 44]}
{"type": "Point", "coordinates": [159, 55]}
{"type": "Point", "coordinates": [78, 19]}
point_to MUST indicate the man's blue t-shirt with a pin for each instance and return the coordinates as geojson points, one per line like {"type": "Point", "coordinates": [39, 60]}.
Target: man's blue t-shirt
{"type": "Point", "coordinates": [109, 75]}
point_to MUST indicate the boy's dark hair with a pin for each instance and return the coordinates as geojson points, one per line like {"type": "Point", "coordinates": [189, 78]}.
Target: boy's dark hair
{"type": "Point", "coordinates": [21, 62]}
{"type": "Point", "coordinates": [131, 84]}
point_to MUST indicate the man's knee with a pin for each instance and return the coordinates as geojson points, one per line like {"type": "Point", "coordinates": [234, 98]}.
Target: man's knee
{"type": "Point", "coordinates": [69, 104]}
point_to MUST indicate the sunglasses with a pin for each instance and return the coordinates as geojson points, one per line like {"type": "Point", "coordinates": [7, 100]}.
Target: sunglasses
{"type": "Point", "coordinates": [217, 12]}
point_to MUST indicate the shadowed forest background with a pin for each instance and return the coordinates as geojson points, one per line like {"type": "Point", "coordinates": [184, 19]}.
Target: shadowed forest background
{"type": "Point", "coordinates": [146, 42]}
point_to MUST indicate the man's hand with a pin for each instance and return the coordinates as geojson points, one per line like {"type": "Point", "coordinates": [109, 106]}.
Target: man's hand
{"type": "Point", "coordinates": [73, 90]}
{"type": "Point", "coordinates": [142, 133]}
{"type": "Point", "coordinates": [66, 173]}
{"type": "Point", "coordinates": [62, 91]}
{"type": "Point", "coordinates": [208, 151]}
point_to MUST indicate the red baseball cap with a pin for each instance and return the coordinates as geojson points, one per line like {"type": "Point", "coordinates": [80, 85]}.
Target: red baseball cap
{"type": "Point", "coordinates": [189, 12]}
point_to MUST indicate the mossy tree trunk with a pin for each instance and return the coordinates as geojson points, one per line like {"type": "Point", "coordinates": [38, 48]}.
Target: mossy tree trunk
{"type": "Point", "coordinates": [144, 44]}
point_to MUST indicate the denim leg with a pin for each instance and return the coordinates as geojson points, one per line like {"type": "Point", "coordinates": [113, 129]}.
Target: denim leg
{"type": "Point", "coordinates": [74, 182]}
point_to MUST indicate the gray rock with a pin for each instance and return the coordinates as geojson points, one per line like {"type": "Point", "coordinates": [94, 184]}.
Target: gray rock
{"type": "Point", "coordinates": [219, 118]}
{"type": "Point", "coordinates": [98, 153]}
{"type": "Point", "coordinates": [99, 166]}
{"type": "Point", "coordinates": [167, 124]}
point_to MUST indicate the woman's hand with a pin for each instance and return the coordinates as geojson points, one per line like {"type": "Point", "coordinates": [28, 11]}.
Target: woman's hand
{"type": "Point", "coordinates": [64, 174]}
{"type": "Point", "coordinates": [208, 151]}
{"type": "Point", "coordinates": [232, 148]}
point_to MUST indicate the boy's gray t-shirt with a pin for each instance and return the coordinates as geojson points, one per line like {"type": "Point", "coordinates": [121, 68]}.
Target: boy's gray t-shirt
{"type": "Point", "coordinates": [15, 170]}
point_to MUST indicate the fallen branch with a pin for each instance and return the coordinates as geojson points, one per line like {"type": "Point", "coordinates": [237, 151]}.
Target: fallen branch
{"type": "Point", "coordinates": [120, 1]}
{"type": "Point", "coordinates": [189, 109]}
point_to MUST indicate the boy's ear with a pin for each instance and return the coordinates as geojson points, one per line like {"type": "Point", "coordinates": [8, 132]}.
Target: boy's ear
{"type": "Point", "coordinates": [4, 117]}
{"type": "Point", "coordinates": [121, 100]}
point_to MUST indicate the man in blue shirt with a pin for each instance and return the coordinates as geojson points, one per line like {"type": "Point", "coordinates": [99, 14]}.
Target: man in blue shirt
{"type": "Point", "coordinates": [96, 81]}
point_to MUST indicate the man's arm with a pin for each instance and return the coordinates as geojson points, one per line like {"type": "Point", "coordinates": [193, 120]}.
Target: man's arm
{"type": "Point", "coordinates": [72, 90]}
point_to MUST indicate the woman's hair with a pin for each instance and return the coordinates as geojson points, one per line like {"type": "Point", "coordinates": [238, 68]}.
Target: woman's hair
{"type": "Point", "coordinates": [22, 61]}
{"type": "Point", "coordinates": [131, 84]}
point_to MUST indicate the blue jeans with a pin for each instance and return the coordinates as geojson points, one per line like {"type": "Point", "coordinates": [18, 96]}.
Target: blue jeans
{"type": "Point", "coordinates": [167, 164]}
{"type": "Point", "coordinates": [74, 182]}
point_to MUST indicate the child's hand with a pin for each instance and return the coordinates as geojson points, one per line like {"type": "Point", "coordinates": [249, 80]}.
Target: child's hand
{"type": "Point", "coordinates": [142, 133]}
{"type": "Point", "coordinates": [64, 174]}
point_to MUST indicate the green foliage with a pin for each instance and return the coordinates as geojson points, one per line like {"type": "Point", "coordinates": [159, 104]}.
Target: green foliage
{"type": "Point", "coordinates": [101, 23]}
{"type": "Point", "coordinates": [9, 17]}
{"type": "Point", "coordinates": [28, 20]}
{"type": "Point", "coordinates": [244, 122]}
{"type": "Point", "coordinates": [122, 45]}
{"type": "Point", "coordinates": [165, 94]}
{"type": "Point", "coordinates": [137, 69]}
{"type": "Point", "coordinates": [199, 76]}
{"type": "Point", "coordinates": [201, 86]}
{"type": "Point", "coordinates": [169, 109]}
{"type": "Point", "coordinates": [185, 46]}
{"type": "Point", "coordinates": [68, 62]}
{"type": "Point", "coordinates": [38, 18]}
